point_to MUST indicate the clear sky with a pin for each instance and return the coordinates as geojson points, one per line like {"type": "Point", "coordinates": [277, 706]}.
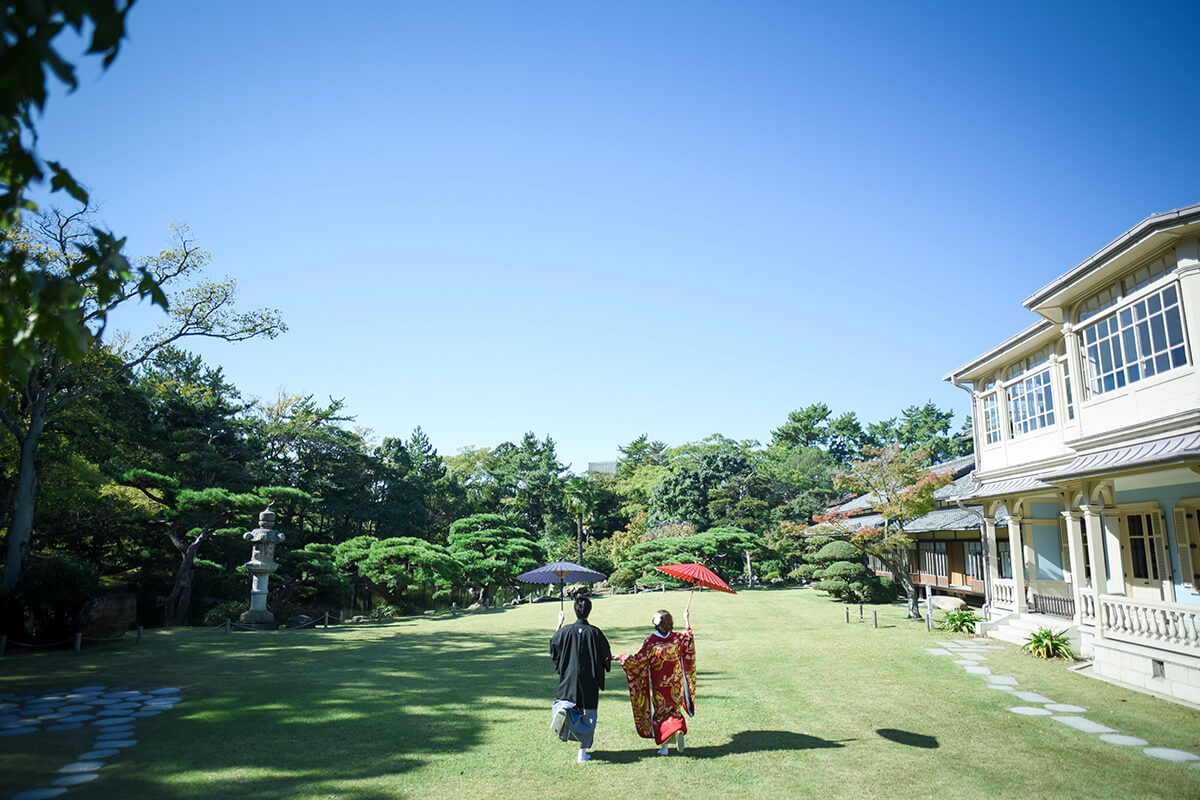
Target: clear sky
{"type": "Point", "coordinates": [594, 220]}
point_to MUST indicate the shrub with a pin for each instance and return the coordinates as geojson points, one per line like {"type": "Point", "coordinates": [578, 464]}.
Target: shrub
{"type": "Point", "coordinates": [52, 593]}
{"type": "Point", "coordinates": [1045, 643]}
{"type": "Point", "coordinates": [804, 572]}
{"type": "Point", "coordinates": [845, 571]}
{"type": "Point", "coordinates": [960, 621]}
{"type": "Point", "coordinates": [385, 611]}
{"type": "Point", "coordinates": [837, 550]}
{"type": "Point", "coordinates": [879, 590]}
{"type": "Point", "coordinates": [622, 578]}
{"type": "Point", "coordinates": [837, 589]}
{"type": "Point", "coordinates": [231, 609]}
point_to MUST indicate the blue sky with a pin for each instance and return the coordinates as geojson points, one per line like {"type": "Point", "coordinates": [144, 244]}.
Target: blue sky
{"type": "Point", "coordinates": [597, 220]}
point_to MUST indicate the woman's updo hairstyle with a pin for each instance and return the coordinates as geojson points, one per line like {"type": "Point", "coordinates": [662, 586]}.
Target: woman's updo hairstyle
{"type": "Point", "coordinates": [662, 621]}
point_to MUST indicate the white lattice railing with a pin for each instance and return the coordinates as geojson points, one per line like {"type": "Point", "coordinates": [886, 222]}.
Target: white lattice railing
{"type": "Point", "coordinates": [1165, 625]}
{"type": "Point", "coordinates": [1003, 593]}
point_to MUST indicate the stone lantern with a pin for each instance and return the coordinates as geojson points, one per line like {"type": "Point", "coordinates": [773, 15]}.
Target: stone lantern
{"type": "Point", "coordinates": [261, 565]}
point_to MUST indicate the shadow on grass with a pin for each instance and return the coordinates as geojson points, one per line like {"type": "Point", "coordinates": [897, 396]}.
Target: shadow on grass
{"type": "Point", "coordinates": [740, 742]}
{"type": "Point", "coordinates": [909, 738]}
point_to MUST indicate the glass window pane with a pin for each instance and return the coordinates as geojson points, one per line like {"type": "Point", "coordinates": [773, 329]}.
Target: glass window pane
{"type": "Point", "coordinates": [1158, 333]}
{"type": "Point", "coordinates": [1153, 304]}
{"type": "Point", "coordinates": [1178, 357]}
{"type": "Point", "coordinates": [1168, 295]}
{"type": "Point", "coordinates": [1174, 327]}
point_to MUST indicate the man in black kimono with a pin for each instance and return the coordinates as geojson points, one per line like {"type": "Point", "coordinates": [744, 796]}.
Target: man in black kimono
{"type": "Point", "coordinates": [581, 655]}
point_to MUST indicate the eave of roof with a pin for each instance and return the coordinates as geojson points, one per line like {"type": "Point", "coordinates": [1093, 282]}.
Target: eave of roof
{"type": "Point", "coordinates": [999, 352]}
{"type": "Point", "coordinates": [1181, 448]}
{"type": "Point", "coordinates": [1131, 238]}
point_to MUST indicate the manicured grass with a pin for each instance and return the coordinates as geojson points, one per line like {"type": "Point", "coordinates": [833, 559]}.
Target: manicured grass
{"type": "Point", "coordinates": [792, 702]}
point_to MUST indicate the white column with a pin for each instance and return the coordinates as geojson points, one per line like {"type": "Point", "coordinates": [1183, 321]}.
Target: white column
{"type": "Point", "coordinates": [1112, 541]}
{"type": "Point", "coordinates": [1016, 546]}
{"type": "Point", "coordinates": [1096, 558]}
{"type": "Point", "coordinates": [1187, 254]}
{"type": "Point", "coordinates": [1075, 553]}
{"type": "Point", "coordinates": [993, 561]}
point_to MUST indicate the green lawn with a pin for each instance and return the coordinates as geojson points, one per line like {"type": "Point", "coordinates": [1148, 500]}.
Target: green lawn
{"type": "Point", "coordinates": [792, 702]}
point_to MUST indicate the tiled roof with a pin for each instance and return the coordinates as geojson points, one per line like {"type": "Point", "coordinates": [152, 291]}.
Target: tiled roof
{"type": "Point", "coordinates": [960, 468]}
{"type": "Point", "coordinates": [945, 519]}
{"type": "Point", "coordinates": [1027, 483]}
{"type": "Point", "coordinates": [1182, 447]}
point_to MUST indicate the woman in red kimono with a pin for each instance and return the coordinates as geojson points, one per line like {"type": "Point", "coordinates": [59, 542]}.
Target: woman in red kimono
{"type": "Point", "coordinates": [662, 682]}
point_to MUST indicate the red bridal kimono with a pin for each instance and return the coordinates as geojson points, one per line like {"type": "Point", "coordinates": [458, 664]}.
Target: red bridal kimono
{"type": "Point", "coordinates": [662, 684]}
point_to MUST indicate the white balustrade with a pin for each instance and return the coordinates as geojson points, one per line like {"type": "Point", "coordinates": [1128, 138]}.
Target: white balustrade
{"type": "Point", "coordinates": [1170, 626]}
{"type": "Point", "coordinates": [1003, 593]}
{"type": "Point", "coordinates": [1087, 607]}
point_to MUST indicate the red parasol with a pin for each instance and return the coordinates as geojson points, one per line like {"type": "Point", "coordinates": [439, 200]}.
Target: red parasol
{"type": "Point", "coordinates": [696, 574]}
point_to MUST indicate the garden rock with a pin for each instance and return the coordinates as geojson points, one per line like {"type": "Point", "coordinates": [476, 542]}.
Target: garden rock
{"type": "Point", "coordinates": [944, 602]}
{"type": "Point", "coordinates": [299, 621]}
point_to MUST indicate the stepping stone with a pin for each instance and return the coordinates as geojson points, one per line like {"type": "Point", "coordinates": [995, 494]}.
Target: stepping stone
{"type": "Point", "coordinates": [1122, 739]}
{"type": "Point", "coordinates": [75, 780]}
{"type": "Point", "coordinates": [1002, 680]}
{"type": "Point", "coordinates": [81, 766]}
{"type": "Point", "coordinates": [125, 694]}
{"type": "Point", "coordinates": [17, 731]}
{"type": "Point", "coordinates": [39, 794]}
{"type": "Point", "coordinates": [147, 713]}
{"type": "Point", "coordinates": [1167, 754]}
{"type": "Point", "coordinates": [1030, 711]}
{"type": "Point", "coordinates": [937, 651]}
{"type": "Point", "coordinates": [1034, 697]}
{"type": "Point", "coordinates": [73, 709]}
{"type": "Point", "coordinates": [66, 726]}
{"type": "Point", "coordinates": [166, 698]}
{"type": "Point", "coordinates": [124, 733]}
{"type": "Point", "coordinates": [94, 754]}
{"type": "Point", "coordinates": [119, 707]}
{"type": "Point", "coordinates": [124, 712]}
{"type": "Point", "coordinates": [164, 691]}
{"type": "Point", "coordinates": [1066, 708]}
{"type": "Point", "coordinates": [159, 706]}
{"type": "Point", "coordinates": [1002, 687]}
{"type": "Point", "coordinates": [949, 644]}
{"type": "Point", "coordinates": [79, 718]}
{"type": "Point", "coordinates": [1084, 724]}
{"type": "Point", "coordinates": [966, 663]}
{"type": "Point", "coordinates": [978, 671]}
{"type": "Point", "coordinates": [119, 743]}
{"type": "Point", "coordinates": [125, 717]}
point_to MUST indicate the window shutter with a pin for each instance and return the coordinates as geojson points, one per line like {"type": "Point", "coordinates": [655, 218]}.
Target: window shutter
{"type": "Point", "coordinates": [1185, 519]}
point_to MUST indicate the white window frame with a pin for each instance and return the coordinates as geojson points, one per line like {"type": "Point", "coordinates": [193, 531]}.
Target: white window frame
{"type": "Point", "coordinates": [1127, 337]}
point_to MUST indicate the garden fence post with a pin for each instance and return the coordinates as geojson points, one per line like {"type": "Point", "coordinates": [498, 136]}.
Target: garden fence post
{"type": "Point", "coordinates": [327, 619]}
{"type": "Point", "coordinates": [139, 639]}
{"type": "Point", "coordinates": [847, 610]}
{"type": "Point", "coordinates": [860, 611]}
{"type": "Point", "coordinates": [228, 624]}
{"type": "Point", "coordinates": [78, 642]}
{"type": "Point", "coordinates": [875, 619]}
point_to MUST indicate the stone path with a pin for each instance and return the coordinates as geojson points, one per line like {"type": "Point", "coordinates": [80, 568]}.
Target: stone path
{"type": "Point", "coordinates": [968, 653]}
{"type": "Point", "coordinates": [112, 711]}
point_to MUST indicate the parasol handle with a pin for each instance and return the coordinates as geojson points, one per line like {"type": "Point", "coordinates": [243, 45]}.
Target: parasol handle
{"type": "Point", "coordinates": [689, 604]}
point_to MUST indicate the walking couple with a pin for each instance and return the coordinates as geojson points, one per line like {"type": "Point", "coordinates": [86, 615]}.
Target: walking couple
{"type": "Point", "coordinates": [661, 677]}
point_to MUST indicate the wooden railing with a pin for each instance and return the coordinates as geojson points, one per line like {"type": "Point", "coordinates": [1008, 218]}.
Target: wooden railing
{"type": "Point", "coordinates": [1166, 625]}
{"type": "Point", "coordinates": [1003, 593]}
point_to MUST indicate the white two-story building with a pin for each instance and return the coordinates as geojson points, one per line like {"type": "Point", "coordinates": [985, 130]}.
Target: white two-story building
{"type": "Point", "coordinates": [1087, 437]}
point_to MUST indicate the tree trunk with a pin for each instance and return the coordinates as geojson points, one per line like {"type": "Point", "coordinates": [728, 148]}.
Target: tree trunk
{"type": "Point", "coordinates": [20, 530]}
{"type": "Point", "coordinates": [579, 536]}
{"type": "Point", "coordinates": [179, 601]}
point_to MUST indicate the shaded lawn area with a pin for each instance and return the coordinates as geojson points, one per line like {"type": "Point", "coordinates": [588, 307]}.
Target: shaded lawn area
{"type": "Point", "coordinates": [791, 702]}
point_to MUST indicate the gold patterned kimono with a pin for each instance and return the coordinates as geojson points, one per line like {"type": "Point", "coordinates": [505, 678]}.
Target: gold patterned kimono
{"type": "Point", "coordinates": [662, 684]}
